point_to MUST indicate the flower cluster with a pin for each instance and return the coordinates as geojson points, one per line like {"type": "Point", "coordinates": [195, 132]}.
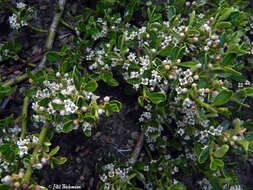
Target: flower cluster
{"type": "Point", "coordinates": [19, 18]}
{"type": "Point", "coordinates": [112, 173]}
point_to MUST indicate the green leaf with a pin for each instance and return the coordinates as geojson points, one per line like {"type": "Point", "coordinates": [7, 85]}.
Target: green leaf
{"type": "Point", "coordinates": [113, 82]}
{"type": "Point", "coordinates": [7, 121]}
{"type": "Point", "coordinates": [171, 12]}
{"type": "Point", "coordinates": [157, 97]}
{"type": "Point", "coordinates": [219, 153]}
{"type": "Point", "coordinates": [249, 137]}
{"type": "Point", "coordinates": [223, 97]}
{"type": "Point", "coordinates": [197, 149]}
{"type": "Point", "coordinates": [215, 163]}
{"type": "Point", "coordinates": [244, 144]}
{"type": "Point", "coordinates": [89, 118]}
{"type": "Point", "coordinates": [54, 151]}
{"type": "Point", "coordinates": [141, 100]}
{"type": "Point", "coordinates": [165, 52]}
{"type": "Point", "coordinates": [64, 66]}
{"type": "Point", "coordinates": [30, 92]}
{"type": "Point", "coordinates": [44, 102]}
{"type": "Point", "coordinates": [188, 64]}
{"type": "Point", "coordinates": [53, 56]}
{"type": "Point", "coordinates": [68, 126]}
{"type": "Point", "coordinates": [91, 86]}
{"type": "Point", "coordinates": [77, 78]}
{"type": "Point", "coordinates": [114, 106]}
{"type": "Point", "coordinates": [192, 18]}
{"type": "Point", "coordinates": [174, 53]}
{"type": "Point", "coordinates": [181, 52]}
{"type": "Point", "coordinates": [4, 187]}
{"type": "Point", "coordinates": [229, 59]}
{"type": "Point", "coordinates": [9, 151]}
{"type": "Point", "coordinates": [178, 187]}
{"type": "Point", "coordinates": [60, 160]}
{"type": "Point", "coordinates": [203, 155]}
{"type": "Point", "coordinates": [249, 91]}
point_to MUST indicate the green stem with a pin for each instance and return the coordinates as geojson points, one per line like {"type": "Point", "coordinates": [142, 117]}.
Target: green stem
{"type": "Point", "coordinates": [137, 150]}
{"type": "Point", "coordinates": [49, 45]}
{"type": "Point", "coordinates": [37, 29]}
{"type": "Point", "coordinates": [14, 81]}
{"type": "Point", "coordinates": [29, 170]}
{"type": "Point", "coordinates": [67, 25]}
{"type": "Point", "coordinates": [25, 114]}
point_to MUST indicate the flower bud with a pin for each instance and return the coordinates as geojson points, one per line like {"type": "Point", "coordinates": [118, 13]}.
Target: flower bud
{"type": "Point", "coordinates": [7, 179]}
{"type": "Point", "coordinates": [167, 67]}
{"type": "Point", "coordinates": [235, 138]}
{"type": "Point", "coordinates": [196, 77]}
{"type": "Point", "coordinates": [39, 166]}
{"type": "Point", "coordinates": [100, 111]}
{"type": "Point", "coordinates": [16, 184]}
{"type": "Point", "coordinates": [107, 99]}
{"type": "Point", "coordinates": [58, 74]}
{"type": "Point", "coordinates": [207, 90]}
{"type": "Point", "coordinates": [25, 186]}
{"type": "Point", "coordinates": [76, 122]}
{"type": "Point", "coordinates": [84, 109]}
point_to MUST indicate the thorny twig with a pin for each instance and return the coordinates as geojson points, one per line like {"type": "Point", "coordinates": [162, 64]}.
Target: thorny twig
{"type": "Point", "coordinates": [48, 45]}
{"type": "Point", "coordinates": [4, 104]}
{"type": "Point", "coordinates": [137, 149]}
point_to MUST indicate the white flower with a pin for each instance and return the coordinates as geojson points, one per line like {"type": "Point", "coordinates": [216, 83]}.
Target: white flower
{"type": "Point", "coordinates": [35, 140]}
{"type": "Point", "coordinates": [107, 99]}
{"type": "Point", "coordinates": [39, 166]}
{"type": "Point", "coordinates": [6, 180]}
{"type": "Point", "coordinates": [21, 5]}
{"type": "Point", "coordinates": [101, 111]}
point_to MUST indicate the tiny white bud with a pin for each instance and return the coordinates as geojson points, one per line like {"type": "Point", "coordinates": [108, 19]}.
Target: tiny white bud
{"type": "Point", "coordinates": [100, 111]}
{"type": "Point", "coordinates": [199, 65]}
{"type": "Point", "coordinates": [42, 108]}
{"type": "Point", "coordinates": [62, 112]}
{"type": "Point", "coordinates": [195, 39]}
{"type": "Point", "coordinates": [167, 67]}
{"type": "Point", "coordinates": [184, 90]}
{"type": "Point", "coordinates": [43, 160]}
{"type": "Point", "coordinates": [207, 90]}
{"type": "Point", "coordinates": [107, 99]}
{"type": "Point", "coordinates": [39, 166]}
{"type": "Point", "coordinates": [182, 34]}
{"type": "Point", "coordinates": [206, 48]}
{"type": "Point", "coordinates": [210, 65]}
{"type": "Point", "coordinates": [179, 61]}
{"type": "Point", "coordinates": [235, 138]}
{"type": "Point", "coordinates": [196, 77]}
{"type": "Point", "coordinates": [194, 85]}
{"type": "Point", "coordinates": [153, 50]}
{"type": "Point", "coordinates": [7, 179]}
{"type": "Point", "coordinates": [209, 43]}
{"type": "Point", "coordinates": [84, 109]}
{"type": "Point", "coordinates": [58, 74]}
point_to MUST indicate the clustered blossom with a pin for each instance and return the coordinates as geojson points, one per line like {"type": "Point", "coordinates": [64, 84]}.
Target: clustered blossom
{"type": "Point", "coordinates": [51, 91]}
{"type": "Point", "coordinates": [113, 171]}
{"type": "Point", "coordinates": [16, 20]}
{"type": "Point", "coordinates": [23, 145]}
